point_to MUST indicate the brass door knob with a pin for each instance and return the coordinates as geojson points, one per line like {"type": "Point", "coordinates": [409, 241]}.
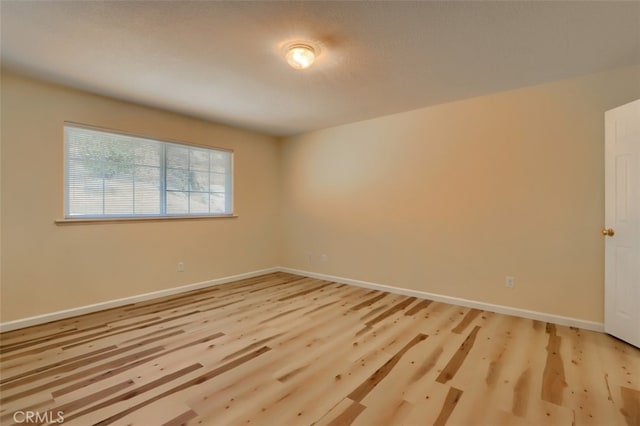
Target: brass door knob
{"type": "Point", "coordinates": [608, 232]}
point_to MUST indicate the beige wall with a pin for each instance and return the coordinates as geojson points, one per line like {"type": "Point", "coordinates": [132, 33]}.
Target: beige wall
{"type": "Point", "coordinates": [47, 268]}
{"type": "Point", "coordinates": [453, 198]}
{"type": "Point", "coordinates": [447, 199]}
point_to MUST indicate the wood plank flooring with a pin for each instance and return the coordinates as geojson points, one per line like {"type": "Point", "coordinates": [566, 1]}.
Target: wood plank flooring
{"type": "Point", "coordinates": [281, 349]}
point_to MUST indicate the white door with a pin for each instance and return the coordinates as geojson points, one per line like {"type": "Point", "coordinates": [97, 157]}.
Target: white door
{"type": "Point", "coordinates": [622, 222]}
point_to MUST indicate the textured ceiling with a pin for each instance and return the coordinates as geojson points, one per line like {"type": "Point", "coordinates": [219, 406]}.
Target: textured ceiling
{"type": "Point", "coordinates": [222, 60]}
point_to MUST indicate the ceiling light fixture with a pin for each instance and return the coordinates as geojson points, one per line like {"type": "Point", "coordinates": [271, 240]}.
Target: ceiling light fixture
{"type": "Point", "coordinates": [300, 55]}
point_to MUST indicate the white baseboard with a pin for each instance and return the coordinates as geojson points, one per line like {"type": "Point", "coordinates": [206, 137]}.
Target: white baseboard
{"type": "Point", "coordinates": [501, 309]}
{"type": "Point", "coordinates": [68, 313]}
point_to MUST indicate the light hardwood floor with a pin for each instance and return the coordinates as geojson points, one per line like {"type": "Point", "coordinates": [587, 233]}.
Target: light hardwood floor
{"type": "Point", "coordinates": [287, 350]}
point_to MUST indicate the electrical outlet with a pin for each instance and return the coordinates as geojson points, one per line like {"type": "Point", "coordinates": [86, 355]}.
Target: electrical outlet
{"type": "Point", "coordinates": [180, 267]}
{"type": "Point", "coordinates": [324, 258]}
{"type": "Point", "coordinates": [509, 282]}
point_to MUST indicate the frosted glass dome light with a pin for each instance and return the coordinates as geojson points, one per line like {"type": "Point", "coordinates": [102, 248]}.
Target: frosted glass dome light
{"type": "Point", "coordinates": [300, 56]}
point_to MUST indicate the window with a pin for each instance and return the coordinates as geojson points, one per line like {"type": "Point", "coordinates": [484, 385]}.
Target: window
{"type": "Point", "coordinates": [110, 175]}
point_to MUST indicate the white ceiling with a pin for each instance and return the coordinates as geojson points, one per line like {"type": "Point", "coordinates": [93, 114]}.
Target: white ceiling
{"type": "Point", "coordinates": [222, 60]}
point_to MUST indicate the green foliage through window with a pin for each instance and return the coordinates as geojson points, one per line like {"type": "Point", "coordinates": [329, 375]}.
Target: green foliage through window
{"type": "Point", "coordinates": [109, 174]}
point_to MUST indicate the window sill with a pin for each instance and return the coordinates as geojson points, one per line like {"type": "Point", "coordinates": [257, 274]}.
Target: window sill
{"type": "Point", "coordinates": [97, 220]}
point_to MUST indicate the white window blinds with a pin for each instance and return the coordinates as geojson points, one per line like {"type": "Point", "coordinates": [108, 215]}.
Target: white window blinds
{"type": "Point", "coordinates": [109, 174]}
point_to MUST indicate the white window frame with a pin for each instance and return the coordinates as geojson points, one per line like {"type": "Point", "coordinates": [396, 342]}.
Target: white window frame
{"type": "Point", "coordinates": [229, 183]}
